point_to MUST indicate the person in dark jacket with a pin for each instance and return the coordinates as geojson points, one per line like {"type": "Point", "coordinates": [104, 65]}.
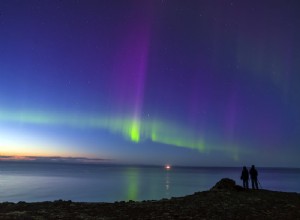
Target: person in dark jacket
{"type": "Point", "coordinates": [253, 175]}
{"type": "Point", "coordinates": [245, 178]}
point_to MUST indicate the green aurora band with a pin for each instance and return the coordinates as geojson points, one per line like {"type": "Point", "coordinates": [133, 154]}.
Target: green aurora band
{"type": "Point", "coordinates": [130, 129]}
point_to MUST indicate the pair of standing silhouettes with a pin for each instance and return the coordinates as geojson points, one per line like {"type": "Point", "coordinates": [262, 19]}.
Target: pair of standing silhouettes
{"type": "Point", "coordinates": [253, 175]}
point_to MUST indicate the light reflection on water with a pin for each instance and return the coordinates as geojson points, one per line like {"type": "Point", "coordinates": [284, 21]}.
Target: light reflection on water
{"type": "Point", "coordinates": [167, 194]}
{"type": "Point", "coordinates": [46, 182]}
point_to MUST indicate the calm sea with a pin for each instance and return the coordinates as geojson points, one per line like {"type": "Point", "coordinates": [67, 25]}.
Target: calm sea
{"type": "Point", "coordinates": [106, 183]}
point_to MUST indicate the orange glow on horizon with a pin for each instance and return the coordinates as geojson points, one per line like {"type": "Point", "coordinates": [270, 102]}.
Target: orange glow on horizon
{"type": "Point", "coordinates": [29, 155]}
{"type": "Point", "coordinates": [9, 158]}
{"type": "Point", "coordinates": [54, 159]}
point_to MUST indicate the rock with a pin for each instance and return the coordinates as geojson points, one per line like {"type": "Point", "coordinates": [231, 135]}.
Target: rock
{"type": "Point", "coordinates": [226, 184]}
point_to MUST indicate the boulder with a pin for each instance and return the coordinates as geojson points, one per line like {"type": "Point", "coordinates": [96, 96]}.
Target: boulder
{"type": "Point", "coordinates": [226, 184]}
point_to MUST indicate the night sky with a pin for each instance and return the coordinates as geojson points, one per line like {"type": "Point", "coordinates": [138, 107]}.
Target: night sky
{"type": "Point", "coordinates": [199, 83]}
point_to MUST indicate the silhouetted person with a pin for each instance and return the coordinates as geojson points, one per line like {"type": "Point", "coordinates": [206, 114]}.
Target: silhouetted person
{"type": "Point", "coordinates": [253, 175]}
{"type": "Point", "coordinates": [245, 178]}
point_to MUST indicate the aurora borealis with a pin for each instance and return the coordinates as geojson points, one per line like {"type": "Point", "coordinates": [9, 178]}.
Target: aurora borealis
{"type": "Point", "coordinates": [199, 83]}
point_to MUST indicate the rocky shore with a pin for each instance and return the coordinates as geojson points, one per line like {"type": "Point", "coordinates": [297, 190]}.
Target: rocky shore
{"type": "Point", "coordinates": [225, 200]}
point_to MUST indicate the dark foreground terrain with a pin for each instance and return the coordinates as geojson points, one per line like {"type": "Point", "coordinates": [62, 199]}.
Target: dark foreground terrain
{"type": "Point", "coordinates": [224, 201]}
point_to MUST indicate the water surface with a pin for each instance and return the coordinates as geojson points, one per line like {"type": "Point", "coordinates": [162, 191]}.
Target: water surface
{"type": "Point", "coordinates": [108, 183]}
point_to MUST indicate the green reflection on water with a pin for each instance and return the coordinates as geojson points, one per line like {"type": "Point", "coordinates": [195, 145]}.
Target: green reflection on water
{"type": "Point", "coordinates": [132, 175]}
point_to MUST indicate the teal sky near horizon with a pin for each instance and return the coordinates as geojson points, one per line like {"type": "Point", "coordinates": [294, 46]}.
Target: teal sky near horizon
{"type": "Point", "coordinates": [199, 83]}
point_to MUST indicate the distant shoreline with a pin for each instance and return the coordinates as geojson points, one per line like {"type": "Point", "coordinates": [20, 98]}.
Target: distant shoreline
{"type": "Point", "coordinates": [135, 165]}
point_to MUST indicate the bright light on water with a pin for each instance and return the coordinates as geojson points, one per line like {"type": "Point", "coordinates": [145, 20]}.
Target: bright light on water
{"type": "Point", "coordinates": [167, 167]}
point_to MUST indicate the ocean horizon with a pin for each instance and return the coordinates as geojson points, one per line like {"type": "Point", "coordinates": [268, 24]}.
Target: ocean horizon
{"type": "Point", "coordinates": [79, 182]}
